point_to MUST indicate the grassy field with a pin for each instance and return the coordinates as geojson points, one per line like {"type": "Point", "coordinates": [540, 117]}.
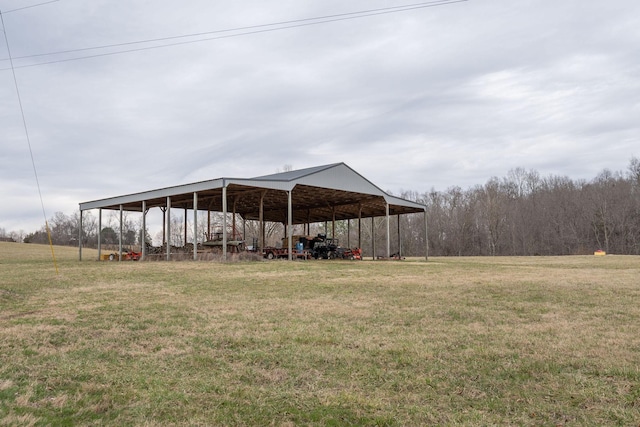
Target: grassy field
{"type": "Point", "coordinates": [453, 341]}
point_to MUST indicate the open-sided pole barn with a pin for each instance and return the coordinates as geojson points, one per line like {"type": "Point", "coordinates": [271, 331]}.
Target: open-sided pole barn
{"type": "Point", "coordinates": [320, 194]}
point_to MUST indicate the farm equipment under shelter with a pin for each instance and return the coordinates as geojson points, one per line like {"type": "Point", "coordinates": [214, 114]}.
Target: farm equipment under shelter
{"type": "Point", "coordinates": [346, 253]}
{"type": "Point", "coordinates": [317, 247]}
{"type": "Point", "coordinates": [126, 256]}
{"type": "Point", "coordinates": [234, 244]}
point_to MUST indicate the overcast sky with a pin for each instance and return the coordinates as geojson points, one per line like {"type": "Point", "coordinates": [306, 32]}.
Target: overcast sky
{"type": "Point", "coordinates": [434, 97]}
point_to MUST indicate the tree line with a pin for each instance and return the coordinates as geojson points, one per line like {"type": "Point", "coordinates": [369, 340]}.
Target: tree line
{"type": "Point", "coordinates": [522, 213]}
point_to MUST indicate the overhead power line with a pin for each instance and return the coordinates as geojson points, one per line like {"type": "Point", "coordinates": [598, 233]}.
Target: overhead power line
{"type": "Point", "coordinates": [29, 7]}
{"type": "Point", "coordinates": [223, 34]}
{"type": "Point", "coordinates": [26, 131]}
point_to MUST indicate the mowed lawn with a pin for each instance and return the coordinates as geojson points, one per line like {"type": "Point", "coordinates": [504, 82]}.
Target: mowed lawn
{"type": "Point", "coordinates": [453, 341]}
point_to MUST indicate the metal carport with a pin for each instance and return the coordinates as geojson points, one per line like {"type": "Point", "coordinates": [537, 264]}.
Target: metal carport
{"type": "Point", "coordinates": [323, 193]}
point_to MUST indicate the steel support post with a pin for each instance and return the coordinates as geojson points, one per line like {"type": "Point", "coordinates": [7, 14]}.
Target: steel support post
{"type": "Point", "coordinates": [99, 234]}
{"type": "Point", "coordinates": [261, 236]}
{"type": "Point", "coordinates": [290, 223]}
{"type": "Point", "coordinates": [195, 226]}
{"type": "Point", "coordinates": [373, 237]}
{"type": "Point", "coordinates": [224, 221]}
{"type": "Point", "coordinates": [80, 238]}
{"type": "Point", "coordinates": [120, 237]}
{"type": "Point", "coordinates": [168, 221]}
{"type": "Point", "coordinates": [388, 232]}
{"type": "Point", "coordinates": [333, 223]}
{"type": "Point", "coordinates": [399, 240]}
{"type": "Point", "coordinates": [164, 224]}
{"type": "Point", "coordinates": [426, 237]}
{"type": "Point", "coordinates": [360, 226]}
{"type": "Point", "coordinates": [143, 237]}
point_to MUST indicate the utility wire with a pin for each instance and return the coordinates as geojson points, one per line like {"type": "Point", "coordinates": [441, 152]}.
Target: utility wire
{"type": "Point", "coordinates": [26, 132]}
{"type": "Point", "coordinates": [250, 27]}
{"type": "Point", "coordinates": [284, 25]}
{"type": "Point", "coordinates": [29, 7]}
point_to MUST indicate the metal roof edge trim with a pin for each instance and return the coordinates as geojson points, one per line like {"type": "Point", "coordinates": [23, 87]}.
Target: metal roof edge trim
{"type": "Point", "coordinates": [266, 184]}
{"type": "Point", "coordinates": [152, 194]}
{"type": "Point", "coordinates": [393, 200]}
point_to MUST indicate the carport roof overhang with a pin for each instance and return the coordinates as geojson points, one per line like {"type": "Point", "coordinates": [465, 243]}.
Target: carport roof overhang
{"type": "Point", "coordinates": [318, 194]}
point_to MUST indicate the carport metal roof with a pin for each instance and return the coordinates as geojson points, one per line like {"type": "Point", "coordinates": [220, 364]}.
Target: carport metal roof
{"type": "Point", "coordinates": [318, 194]}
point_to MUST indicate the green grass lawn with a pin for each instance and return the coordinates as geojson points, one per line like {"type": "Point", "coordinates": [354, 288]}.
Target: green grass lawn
{"type": "Point", "coordinates": [453, 341]}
